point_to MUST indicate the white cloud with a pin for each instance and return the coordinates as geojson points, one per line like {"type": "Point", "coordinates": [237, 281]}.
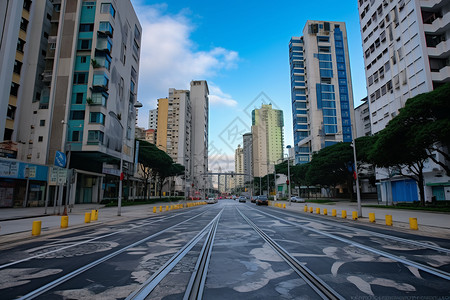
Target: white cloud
{"type": "Point", "coordinates": [218, 97]}
{"type": "Point", "coordinates": [169, 57]}
{"type": "Point", "coordinates": [224, 161]}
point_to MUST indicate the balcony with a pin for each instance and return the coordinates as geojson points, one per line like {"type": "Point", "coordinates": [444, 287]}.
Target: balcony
{"type": "Point", "coordinates": [104, 43]}
{"type": "Point", "coordinates": [441, 75]}
{"type": "Point", "coordinates": [100, 83]}
{"type": "Point", "coordinates": [440, 25]}
{"type": "Point", "coordinates": [441, 50]}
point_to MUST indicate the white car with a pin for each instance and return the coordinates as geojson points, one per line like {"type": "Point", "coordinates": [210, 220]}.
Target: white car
{"type": "Point", "coordinates": [211, 201]}
{"type": "Point", "coordinates": [297, 199]}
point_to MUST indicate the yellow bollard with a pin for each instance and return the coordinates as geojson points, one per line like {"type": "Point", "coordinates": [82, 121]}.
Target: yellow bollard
{"type": "Point", "coordinates": [318, 210]}
{"type": "Point", "coordinates": [167, 207]}
{"type": "Point", "coordinates": [325, 212]}
{"type": "Point", "coordinates": [413, 224]}
{"type": "Point", "coordinates": [87, 217]}
{"type": "Point", "coordinates": [160, 208]}
{"type": "Point", "coordinates": [354, 215]}
{"type": "Point", "coordinates": [372, 217]}
{"type": "Point", "coordinates": [305, 208]}
{"type": "Point", "coordinates": [36, 228]}
{"type": "Point", "coordinates": [64, 221]}
{"type": "Point", "coordinates": [154, 209]}
{"type": "Point", "coordinates": [284, 205]}
{"type": "Point", "coordinates": [96, 214]}
{"type": "Point", "coordinates": [333, 213]}
{"type": "Point", "coordinates": [310, 209]}
{"type": "Point", "coordinates": [389, 220]}
{"type": "Point", "coordinates": [344, 214]}
{"type": "Point", "coordinates": [171, 207]}
{"type": "Point", "coordinates": [93, 215]}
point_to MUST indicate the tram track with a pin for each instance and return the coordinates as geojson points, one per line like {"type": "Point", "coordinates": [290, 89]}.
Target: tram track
{"type": "Point", "coordinates": [428, 269]}
{"type": "Point", "coordinates": [322, 289]}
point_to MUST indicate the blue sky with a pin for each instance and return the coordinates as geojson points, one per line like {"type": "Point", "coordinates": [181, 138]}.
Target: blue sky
{"type": "Point", "coordinates": [241, 49]}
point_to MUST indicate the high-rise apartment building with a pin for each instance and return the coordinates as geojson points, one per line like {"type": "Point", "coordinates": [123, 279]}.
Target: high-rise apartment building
{"type": "Point", "coordinates": [406, 53]}
{"type": "Point", "coordinates": [267, 136]}
{"type": "Point", "coordinates": [239, 166]}
{"type": "Point", "coordinates": [321, 88]}
{"type": "Point", "coordinates": [362, 119]}
{"type": "Point", "coordinates": [248, 156]}
{"type": "Point", "coordinates": [72, 87]}
{"type": "Point", "coordinates": [200, 117]}
{"type": "Point", "coordinates": [153, 119]}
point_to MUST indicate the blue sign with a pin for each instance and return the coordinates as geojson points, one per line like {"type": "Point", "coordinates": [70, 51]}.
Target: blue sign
{"type": "Point", "coordinates": [60, 159]}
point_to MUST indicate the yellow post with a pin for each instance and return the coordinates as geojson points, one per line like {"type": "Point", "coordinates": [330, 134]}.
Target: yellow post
{"type": "Point", "coordinates": [305, 208]}
{"type": "Point", "coordinates": [284, 205]}
{"type": "Point", "coordinates": [154, 209]}
{"type": "Point", "coordinates": [310, 209]}
{"type": "Point", "coordinates": [36, 229]}
{"type": "Point", "coordinates": [325, 211]}
{"type": "Point", "coordinates": [171, 207]}
{"type": "Point", "coordinates": [354, 215]}
{"type": "Point", "coordinates": [93, 215]}
{"type": "Point", "coordinates": [413, 224]}
{"type": "Point", "coordinates": [96, 214]}
{"type": "Point", "coordinates": [344, 214]}
{"type": "Point", "coordinates": [372, 217]}
{"type": "Point", "coordinates": [160, 208]}
{"type": "Point", "coordinates": [333, 213]}
{"type": "Point", "coordinates": [389, 220]}
{"type": "Point", "coordinates": [318, 210]}
{"type": "Point", "coordinates": [64, 221]}
{"type": "Point", "coordinates": [87, 217]}
{"type": "Point", "coordinates": [167, 207]}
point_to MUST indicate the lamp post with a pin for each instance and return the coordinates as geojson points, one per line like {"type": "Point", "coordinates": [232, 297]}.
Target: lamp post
{"type": "Point", "coordinates": [358, 196]}
{"type": "Point", "coordinates": [289, 174]}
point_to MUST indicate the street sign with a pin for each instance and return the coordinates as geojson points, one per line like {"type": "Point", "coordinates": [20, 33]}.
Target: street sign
{"type": "Point", "coordinates": [57, 176]}
{"type": "Point", "coordinates": [60, 159]}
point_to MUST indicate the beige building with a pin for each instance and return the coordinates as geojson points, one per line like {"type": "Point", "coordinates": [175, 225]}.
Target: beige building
{"type": "Point", "coordinates": [267, 133]}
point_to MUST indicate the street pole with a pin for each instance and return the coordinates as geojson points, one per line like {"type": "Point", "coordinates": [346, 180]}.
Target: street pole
{"type": "Point", "coordinates": [260, 185]}
{"type": "Point", "coordinates": [119, 200]}
{"type": "Point", "coordinates": [268, 185]}
{"type": "Point", "coordinates": [358, 196]}
{"type": "Point", "coordinates": [69, 179]}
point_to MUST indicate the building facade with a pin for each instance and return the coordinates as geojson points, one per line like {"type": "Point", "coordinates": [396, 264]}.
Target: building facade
{"type": "Point", "coordinates": [362, 119]}
{"type": "Point", "coordinates": [81, 95]}
{"type": "Point", "coordinates": [321, 88]}
{"type": "Point", "coordinates": [200, 117]}
{"type": "Point", "coordinates": [239, 166]}
{"type": "Point", "coordinates": [153, 119]}
{"type": "Point", "coordinates": [406, 53]}
{"type": "Point", "coordinates": [267, 138]}
{"type": "Point", "coordinates": [248, 156]}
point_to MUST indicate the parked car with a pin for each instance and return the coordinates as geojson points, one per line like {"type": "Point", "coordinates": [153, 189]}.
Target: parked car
{"type": "Point", "coordinates": [242, 199]}
{"type": "Point", "coordinates": [262, 200]}
{"type": "Point", "coordinates": [297, 199]}
{"type": "Point", "coordinates": [253, 199]}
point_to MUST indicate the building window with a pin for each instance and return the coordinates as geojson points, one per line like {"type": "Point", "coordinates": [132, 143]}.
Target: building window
{"type": "Point", "coordinates": [17, 67]}
{"type": "Point", "coordinates": [75, 136]}
{"type": "Point", "coordinates": [86, 27]}
{"type": "Point", "coordinates": [79, 98]}
{"type": "Point", "coordinates": [20, 45]}
{"type": "Point", "coordinates": [80, 77]}
{"type": "Point", "coordinates": [95, 137]}
{"type": "Point", "coordinates": [14, 89]}
{"type": "Point", "coordinates": [84, 44]}
{"type": "Point", "coordinates": [137, 33]}
{"type": "Point", "coordinates": [83, 59]}
{"type": "Point", "coordinates": [123, 53]}
{"type": "Point", "coordinates": [106, 28]}
{"type": "Point", "coordinates": [97, 117]}
{"type": "Point", "coordinates": [27, 5]}
{"type": "Point", "coordinates": [41, 123]}
{"type": "Point", "coordinates": [10, 114]}
{"type": "Point", "coordinates": [106, 8]}
{"type": "Point", "coordinates": [24, 24]}
{"type": "Point", "coordinates": [40, 138]}
{"type": "Point", "coordinates": [77, 114]}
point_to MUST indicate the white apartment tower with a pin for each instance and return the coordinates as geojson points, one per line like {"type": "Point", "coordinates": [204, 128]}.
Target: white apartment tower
{"type": "Point", "coordinates": [406, 52]}
{"type": "Point", "coordinates": [239, 166]}
{"type": "Point", "coordinates": [321, 88]}
{"type": "Point", "coordinates": [200, 117]}
{"type": "Point", "coordinates": [153, 119]}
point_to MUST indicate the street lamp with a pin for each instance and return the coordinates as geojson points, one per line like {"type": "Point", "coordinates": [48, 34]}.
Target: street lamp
{"type": "Point", "coordinates": [289, 174]}
{"type": "Point", "coordinates": [358, 195]}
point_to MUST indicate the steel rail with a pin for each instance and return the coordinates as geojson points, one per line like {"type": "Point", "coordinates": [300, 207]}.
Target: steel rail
{"type": "Point", "coordinates": [318, 285]}
{"type": "Point", "coordinates": [60, 280]}
{"type": "Point", "coordinates": [422, 267]}
{"type": "Point", "coordinates": [147, 287]}
{"type": "Point", "coordinates": [395, 238]}
{"type": "Point", "coordinates": [196, 284]}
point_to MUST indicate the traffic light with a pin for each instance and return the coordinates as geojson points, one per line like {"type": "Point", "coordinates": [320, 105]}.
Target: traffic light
{"type": "Point", "coordinates": [287, 181]}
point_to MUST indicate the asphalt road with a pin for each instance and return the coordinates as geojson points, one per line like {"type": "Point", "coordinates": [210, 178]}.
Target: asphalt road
{"type": "Point", "coordinates": [228, 250]}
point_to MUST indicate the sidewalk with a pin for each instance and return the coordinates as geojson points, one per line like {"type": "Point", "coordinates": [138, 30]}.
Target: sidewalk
{"type": "Point", "coordinates": [435, 222]}
{"type": "Point", "coordinates": [17, 220]}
